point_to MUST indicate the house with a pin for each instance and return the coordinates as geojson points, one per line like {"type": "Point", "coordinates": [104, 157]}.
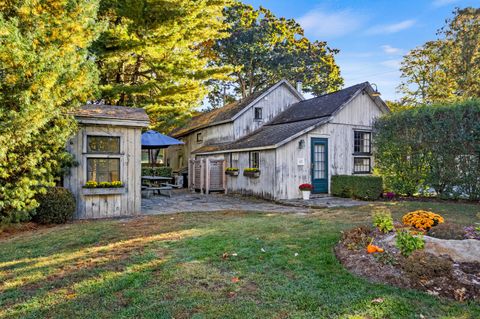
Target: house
{"type": "Point", "coordinates": [107, 149]}
{"type": "Point", "coordinates": [302, 141]}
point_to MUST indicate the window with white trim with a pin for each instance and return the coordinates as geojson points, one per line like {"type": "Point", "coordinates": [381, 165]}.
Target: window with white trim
{"type": "Point", "coordinates": [254, 159]}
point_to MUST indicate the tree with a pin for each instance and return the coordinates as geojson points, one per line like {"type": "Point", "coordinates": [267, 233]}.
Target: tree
{"type": "Point", "coordinates": [264, 49]}
{"type": "Point", "coordinates": [447, 69]}
{"type": "Point", "coordinates": [155, 53]}
{"type": "Point", "coordinates": [45, 73]}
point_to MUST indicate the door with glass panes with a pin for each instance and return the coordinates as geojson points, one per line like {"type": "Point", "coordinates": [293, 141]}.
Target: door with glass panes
{"type": "Point", "coordinates": [319, 165]}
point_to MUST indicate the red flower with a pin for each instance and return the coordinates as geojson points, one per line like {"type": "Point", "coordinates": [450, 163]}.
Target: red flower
{"type": "Point", "coordinates": [306, 187]}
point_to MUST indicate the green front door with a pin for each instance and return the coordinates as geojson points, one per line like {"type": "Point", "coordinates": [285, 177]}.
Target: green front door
{"type": "Point", "coordinates": [320, 165]}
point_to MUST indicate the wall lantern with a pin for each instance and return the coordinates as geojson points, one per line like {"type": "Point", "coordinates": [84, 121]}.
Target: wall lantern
{"type": "Point", "coordinates": [301, 144]}
{"type": "Point", "coordinates": [375, 93]}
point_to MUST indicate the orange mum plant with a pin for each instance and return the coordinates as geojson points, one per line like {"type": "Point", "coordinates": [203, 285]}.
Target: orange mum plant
{"type": "Point", "coordinates": [422, 219]}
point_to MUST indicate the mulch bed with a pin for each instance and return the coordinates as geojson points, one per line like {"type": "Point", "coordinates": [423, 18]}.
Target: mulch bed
{"type": "Point", "coordinates": [461, 283]}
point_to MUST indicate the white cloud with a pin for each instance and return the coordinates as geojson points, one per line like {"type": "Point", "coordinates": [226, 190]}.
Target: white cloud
{"type": "Point", "coordinates": [441, 3]}
{"type": "Point", "coordinates": [392, 63]}
{"type": "Point", "coordinates": [391, 28]}
{"type": "Point", "coordinates": [388, 49]}
{"type": "Point", "coordinates": [323, 24]}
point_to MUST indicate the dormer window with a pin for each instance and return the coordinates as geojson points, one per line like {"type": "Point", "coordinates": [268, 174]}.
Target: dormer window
{"type": "Point", "coordinates": [258, 113]}
{"type": "Point", "coordinates": [199, 138]}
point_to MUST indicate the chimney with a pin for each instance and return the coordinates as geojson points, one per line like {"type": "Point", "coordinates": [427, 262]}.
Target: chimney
{"type": "Point", "coordinates": [299, 86]}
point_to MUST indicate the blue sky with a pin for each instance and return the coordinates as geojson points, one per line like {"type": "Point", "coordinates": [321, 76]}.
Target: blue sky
{"type": "Point", "coordinates": [372, 35]}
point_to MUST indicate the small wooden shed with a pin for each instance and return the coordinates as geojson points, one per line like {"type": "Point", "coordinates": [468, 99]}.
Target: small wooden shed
{"type": "Point", "coordinates": [107, 148]}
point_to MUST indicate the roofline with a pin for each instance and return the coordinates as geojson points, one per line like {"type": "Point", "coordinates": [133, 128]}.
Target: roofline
{"type": "Point", "coordinates": [268, 147]}
{"type": "Point", "coordinates": [261, 96]}
{"type": "Point", "coordinates": [111, 121]}
{"type": "Point", "coordinates": [255, 101]}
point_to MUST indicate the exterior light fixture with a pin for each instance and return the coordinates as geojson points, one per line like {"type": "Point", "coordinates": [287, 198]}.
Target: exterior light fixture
{"type": "Point", "coordinates": [301, 144]}
{"type": "Point", "coordinates": [375, 93]}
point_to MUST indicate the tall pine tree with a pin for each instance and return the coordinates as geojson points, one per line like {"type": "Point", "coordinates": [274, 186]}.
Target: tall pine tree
{"type": "Point", "coordinates": [155, 55]}
{"type": "Point", "coordinates": [44, 73]}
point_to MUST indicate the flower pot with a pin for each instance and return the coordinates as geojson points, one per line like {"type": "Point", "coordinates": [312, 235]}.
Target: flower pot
{"type": "Point", "coordinates": [254, 174]}
{"type": "Point", "coordinates": [306, 195]}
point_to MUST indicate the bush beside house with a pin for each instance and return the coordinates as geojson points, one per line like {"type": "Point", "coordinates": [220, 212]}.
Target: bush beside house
{"type": "Point", "coordinates": [360, 187]}
{"type": "Point", "coordinates": [157, 171]}
{"type": "Point", "coordinates": [56, 206]}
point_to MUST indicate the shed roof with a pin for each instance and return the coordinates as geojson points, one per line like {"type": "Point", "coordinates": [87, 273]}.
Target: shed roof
{"type": "Point", "coordinates": [299, 117]}
{"type": "Point", "coordinates": [112, 112]}
{"type": "Point", "coordinates": [226, 113]}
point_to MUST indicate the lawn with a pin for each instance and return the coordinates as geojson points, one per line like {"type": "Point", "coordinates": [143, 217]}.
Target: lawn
{"type": "Point", "coordinates": [173, 266]}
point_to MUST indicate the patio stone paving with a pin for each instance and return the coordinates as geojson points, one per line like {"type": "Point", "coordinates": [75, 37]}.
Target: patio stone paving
{"type": "Point", "coordinates": [185, 201]}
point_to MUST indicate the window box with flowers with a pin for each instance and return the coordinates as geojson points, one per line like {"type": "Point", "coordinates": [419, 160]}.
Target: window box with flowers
{"type": "Point", "coordinates": [103, 188]}
{"type": "Point", "coordinates": [232, 171]}
{"type": "Point", "coordinates": [306, 189]}
{"type": "Point", "coordinates": [251, 172]}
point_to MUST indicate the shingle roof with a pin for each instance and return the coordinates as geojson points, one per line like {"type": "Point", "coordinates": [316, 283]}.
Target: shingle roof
{"type": "Point", "coordinates": [267, 135]}
{"type": "Point", "coordinates": [297, 118]}
{"type": "Point", "coordinates": [321, 106]}
{"type": "Point", "coordinates": [112, 112]}
{"type": "Point", "coordinates": [219, 115]}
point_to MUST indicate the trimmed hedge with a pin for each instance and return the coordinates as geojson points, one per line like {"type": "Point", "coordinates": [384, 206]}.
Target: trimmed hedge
{"type": "Point", "coordinates": [157, 171]}
{"type": "Point", "coordinates": [56, 206]}
{"type": "Point", "coordinates": [431, 146]}
{"type": "Point", "coordinates": [360, 187]}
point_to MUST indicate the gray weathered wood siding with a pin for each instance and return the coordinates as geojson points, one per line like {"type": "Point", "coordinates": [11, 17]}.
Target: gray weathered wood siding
{"type": "Point", "coordinates": [272, 104]}
{"type": "Point", "coordinates": [359, 114]}
{"type": "Point", "coordinates": [102, 203]}
{"type": "Point", "coordinates": [264, 186]}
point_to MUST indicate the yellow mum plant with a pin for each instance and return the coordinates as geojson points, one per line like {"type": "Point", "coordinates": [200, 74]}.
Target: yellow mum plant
{"type": "Point", "coordinates": [422, 219]}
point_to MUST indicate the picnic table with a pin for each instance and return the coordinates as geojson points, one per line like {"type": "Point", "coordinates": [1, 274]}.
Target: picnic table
{"type": "Point", "coordinates": [157, 183]}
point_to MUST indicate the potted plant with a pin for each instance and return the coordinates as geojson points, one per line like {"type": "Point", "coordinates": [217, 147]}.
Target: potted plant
{"type": "Point", "coordinates": [232, 171]}
{"type": "Point", "coordinates": [306, 189]}
{"type": "Point", "coordinates": [251, 172]}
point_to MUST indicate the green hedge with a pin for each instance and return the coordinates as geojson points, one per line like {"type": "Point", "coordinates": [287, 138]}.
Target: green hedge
{"type": "Point", "coordinates": [434, 146]}
{"type": "Point", "coordinates": [157, 171]}
{"type": "Point", "coordinates": [360, 187]}
{"type": "Point", "coordinates": [56, 206]}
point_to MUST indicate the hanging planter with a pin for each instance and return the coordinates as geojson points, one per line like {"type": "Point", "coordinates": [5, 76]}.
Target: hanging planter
{"type": "Point", "coordinates": [232, 171]}
{"type": "Point", "coordinates": [251, 172]}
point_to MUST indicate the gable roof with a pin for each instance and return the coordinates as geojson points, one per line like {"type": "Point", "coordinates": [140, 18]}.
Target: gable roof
{"type": "Point", "coordinates": [111, 112]}
{"type": "Point", "coordinates": [298, 119]}
{"type": "Point", "coordinates": [227, 113]}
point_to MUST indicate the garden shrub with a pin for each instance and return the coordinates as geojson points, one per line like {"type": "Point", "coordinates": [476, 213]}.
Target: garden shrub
{"type": "Point", "coordinates": [421, 265]}
{"type": "Point", "coordinates": [360, 187]}
{"type": "Point", "coordinates": [433, 146]}
{"type": "Point", "coordinates": [407, 243]}
{"type": "Point", "coordinates": [422, 220]}
{"type": "Point", "coordinates": [382, 219]}
{"type": "Point", "coordinates": [56, 206]}
{"type": "Point", "coordinates": [447, 231]}
{"type": "Point", "coordinates": [163, 171]}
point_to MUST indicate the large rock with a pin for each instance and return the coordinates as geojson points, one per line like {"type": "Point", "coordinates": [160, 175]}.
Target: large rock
{"type": "Point", "coordinates": [461, 251]}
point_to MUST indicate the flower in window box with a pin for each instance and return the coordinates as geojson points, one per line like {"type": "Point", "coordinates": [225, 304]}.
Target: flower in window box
{"type": "Point", "coordinates": [251, 172]}
{"type": "Point", "coordinates": [91, 184]}
{"type": "Point", "coordinates": [232, 171]}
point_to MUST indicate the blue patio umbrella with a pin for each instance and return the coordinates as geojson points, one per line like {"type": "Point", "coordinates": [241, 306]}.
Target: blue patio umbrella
{"type": "Point", "coordinates": [152, 140]}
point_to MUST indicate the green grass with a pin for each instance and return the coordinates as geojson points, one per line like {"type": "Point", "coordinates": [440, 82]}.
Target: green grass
{"type": "Point", "coordinates": [172, 266]}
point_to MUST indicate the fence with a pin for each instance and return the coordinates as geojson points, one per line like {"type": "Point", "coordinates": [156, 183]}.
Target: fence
{"type": "Point", "coordinates": [207, 175]}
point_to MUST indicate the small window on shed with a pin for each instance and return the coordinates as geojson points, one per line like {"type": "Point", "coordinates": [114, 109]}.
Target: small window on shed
{"type": "Point", "coordinates": [362, 165]}
{"type": "Point", "coordinates": [254, 160]}
{"type": "Point", "coordinates": [362, 142]}
{"type": "Point", "coordinates": [103, 169]}
{"type": "Point", "coordinates": [103, 144]}
{"type": "Point", "coordinates": [258, 113]}
{"type": "Point", "coordinates": [199, 138]}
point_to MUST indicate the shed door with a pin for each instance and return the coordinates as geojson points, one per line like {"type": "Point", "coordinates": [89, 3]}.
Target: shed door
{"type": "Point", "coordinates": [320, 165]}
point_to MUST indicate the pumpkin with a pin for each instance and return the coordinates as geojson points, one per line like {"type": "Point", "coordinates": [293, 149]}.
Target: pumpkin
{"type": "Point", "coordinates": [374, 249]}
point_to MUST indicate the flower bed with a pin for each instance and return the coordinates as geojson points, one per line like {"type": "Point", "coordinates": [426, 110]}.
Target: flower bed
{"type": "Point", "coordinates": [405, 255]}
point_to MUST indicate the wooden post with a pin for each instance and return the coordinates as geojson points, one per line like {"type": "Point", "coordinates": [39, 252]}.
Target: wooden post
{"type": "Point", "coordinates": [224, 176]}
{"type": "Point", "coordinates": [207, 175]}
{"type": "Point", "coordinates": [202, 175]}
{"type": "Point", "coordinates": [191, 174]}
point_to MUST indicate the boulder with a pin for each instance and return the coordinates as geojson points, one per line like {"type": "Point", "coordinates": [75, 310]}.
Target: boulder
{"type": "Point", "coordinates": [461, 251]}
